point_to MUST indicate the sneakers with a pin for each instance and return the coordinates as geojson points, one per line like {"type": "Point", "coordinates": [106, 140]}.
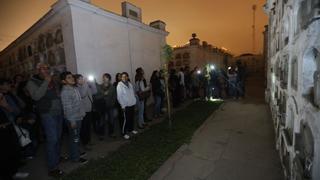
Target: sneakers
{"type": "Point", "coordinates": [83, 154]}
{"type": "Point", "coordinates": [83, 161]}
{"type": "Point", "coordinates": [134, 132]}
{"type": "Point", "coordinates": [126, 136]}
{"type": "Point", "coordinates": [20, 175]}
{"type": "Point", "coordinates": [56, 173]}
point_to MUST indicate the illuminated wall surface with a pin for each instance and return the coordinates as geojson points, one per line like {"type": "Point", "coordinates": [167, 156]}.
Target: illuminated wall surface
{"type": "Point", "coordinates": [86, 39]}
{"type": "Point", "coordinates": [293, 84]}
{"type": "Point", "coordinates": [196, 54]}
{"type": "Point", "coordinates": [46, 47]}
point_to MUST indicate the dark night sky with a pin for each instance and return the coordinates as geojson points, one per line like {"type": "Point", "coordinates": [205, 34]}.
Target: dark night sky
{"type": "Point", "coordinates": [223, 23]}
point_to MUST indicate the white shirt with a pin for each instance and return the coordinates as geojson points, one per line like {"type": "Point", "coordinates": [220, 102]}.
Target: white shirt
{"type": "Point", "coordinates": [125, 95]}
{"type": "Point", "coordinates": [181, 75]}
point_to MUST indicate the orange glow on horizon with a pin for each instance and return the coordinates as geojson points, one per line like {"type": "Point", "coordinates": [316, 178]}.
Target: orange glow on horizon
{"type": "Point", "coordinates": [222, 23]}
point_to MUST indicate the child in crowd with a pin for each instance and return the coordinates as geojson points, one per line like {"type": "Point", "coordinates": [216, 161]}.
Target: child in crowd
{"type": "Point", "coordinates": [73, 113]}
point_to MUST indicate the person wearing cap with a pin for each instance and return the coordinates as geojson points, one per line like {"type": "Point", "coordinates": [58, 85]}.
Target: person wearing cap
{"type": "Point", "coordinates": [46, 94]}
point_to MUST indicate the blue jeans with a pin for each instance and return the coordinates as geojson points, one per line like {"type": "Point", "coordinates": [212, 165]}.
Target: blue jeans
{"type": "Point", "coordinates": [157, 105]}
{"type": "Point", "coordinates": [74, 141]}
{"type": "Point", "coordinates": [110, 114]}
{"type": "Point", "coordinates": [52, 126]}
{"type": "Point", "coordinates": [241, 88]}
{"type": "Point", "coordinates": [140, 105]}
{"type": "Point", "coordinates": [106, 117]}
{"type": "Point", "coordinates": [232, 89]}
{"type": "Point", "coordinates": [209, 91]}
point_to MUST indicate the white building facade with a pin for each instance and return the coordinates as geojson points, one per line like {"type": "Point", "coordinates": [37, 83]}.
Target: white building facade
{"type": "Point", "coordinates": [82, 38]}
{"type": "Point", "coordinates": [199, 55]}
{"type": "Point", "coordinates": [293, 84]}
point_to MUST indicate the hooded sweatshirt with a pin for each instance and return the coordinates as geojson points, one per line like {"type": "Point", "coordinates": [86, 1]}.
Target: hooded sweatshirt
{"type": "Point", "coordinates": [125, 94]}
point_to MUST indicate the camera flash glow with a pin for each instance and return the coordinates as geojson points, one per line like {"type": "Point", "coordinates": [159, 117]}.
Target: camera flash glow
{"type": "Point", "coordinates": [90, 77]}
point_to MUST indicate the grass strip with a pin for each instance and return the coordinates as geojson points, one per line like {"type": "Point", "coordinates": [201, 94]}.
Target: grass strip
{"type": "Point", "coordinates": [146, 152]}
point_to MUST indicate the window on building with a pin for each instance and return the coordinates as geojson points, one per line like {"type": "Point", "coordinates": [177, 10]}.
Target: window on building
{"type": "Point", "coordinates": [277, 68]}
{"type": "Point", "coordinates": [29, 50]}
{"type": "Point", "coordinates": [58, 36]}
{"type": "Point", "coordinates": [282, 107]}
{"type": "Point", "coordinates": [133, 13]}
{"type": "Point", "coordinates": [186, 62]}
{"type": "Point", "coordinates": [178, 63]}
{"type": "Point", "coordinates": [294, 73]}
{"type": "Point", "coordinates": [285, 34]}
{"type": "Point", "coordinates": [49, 40]}
{"type": "Point", "coordinates": [290, 122]}
{"type": "Point", "coordinates": [178, 56]}
{"type": "Point", "coordinates": [186, 55]}
{"type": "Point", "coordinates": [41, 43]}
{"type": "Point", "coordinates": [20, 54]}
{"type": "Point", "coordinates": [284, 72]}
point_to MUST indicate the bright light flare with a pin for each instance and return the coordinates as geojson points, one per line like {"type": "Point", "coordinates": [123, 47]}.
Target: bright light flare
{"type": "Point", "coordinates": [212, 67]}
{"type": "Point", "coordinates": [91, 78]}
{"type": "Point", "coordinates": [215, 100]}
{"type": "Point", "coordinates": [198, 72]}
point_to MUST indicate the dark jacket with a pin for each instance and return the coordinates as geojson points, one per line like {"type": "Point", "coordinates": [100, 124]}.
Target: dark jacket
{"type": "Point", "coordinates": [105, 98]}
{"type": "Point", "coordinates": [156, 86]}
{"type": "Point", "coordinates": [45, 94]}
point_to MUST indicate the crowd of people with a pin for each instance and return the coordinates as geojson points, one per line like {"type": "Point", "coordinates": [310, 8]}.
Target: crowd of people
{"type": "Point", "coordinates": [43, 106]}
{"type": "Point", "coordinates": [207, 83]}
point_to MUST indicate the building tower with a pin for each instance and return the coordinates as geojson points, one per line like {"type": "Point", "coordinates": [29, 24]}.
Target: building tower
{"type": "Point", "coordinates": [254, 8]}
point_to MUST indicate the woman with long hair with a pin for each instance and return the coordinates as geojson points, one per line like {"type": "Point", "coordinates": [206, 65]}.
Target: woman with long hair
{"type": "Point", "coordinates": [156, 92]}
{"type": "Point", "coordinates": [127, 100]}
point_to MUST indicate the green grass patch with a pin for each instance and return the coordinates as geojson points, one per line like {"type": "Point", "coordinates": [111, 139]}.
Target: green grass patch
{"type": "Point", "coordinates": [146, 152]}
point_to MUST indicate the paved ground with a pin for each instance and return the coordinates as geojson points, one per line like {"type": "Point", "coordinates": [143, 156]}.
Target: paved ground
{"type": "Point", "coordinates": [235, 143]}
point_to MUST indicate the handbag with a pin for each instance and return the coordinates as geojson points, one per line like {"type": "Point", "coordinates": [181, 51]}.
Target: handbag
{"type": "Point", "coordinates": [144, 95]}
{"type": "Point", "coordinates": [23, 136]}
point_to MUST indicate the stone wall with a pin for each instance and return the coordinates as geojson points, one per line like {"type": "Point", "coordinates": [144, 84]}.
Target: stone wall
{"type": "Point", "coordinates": [293, 72]}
